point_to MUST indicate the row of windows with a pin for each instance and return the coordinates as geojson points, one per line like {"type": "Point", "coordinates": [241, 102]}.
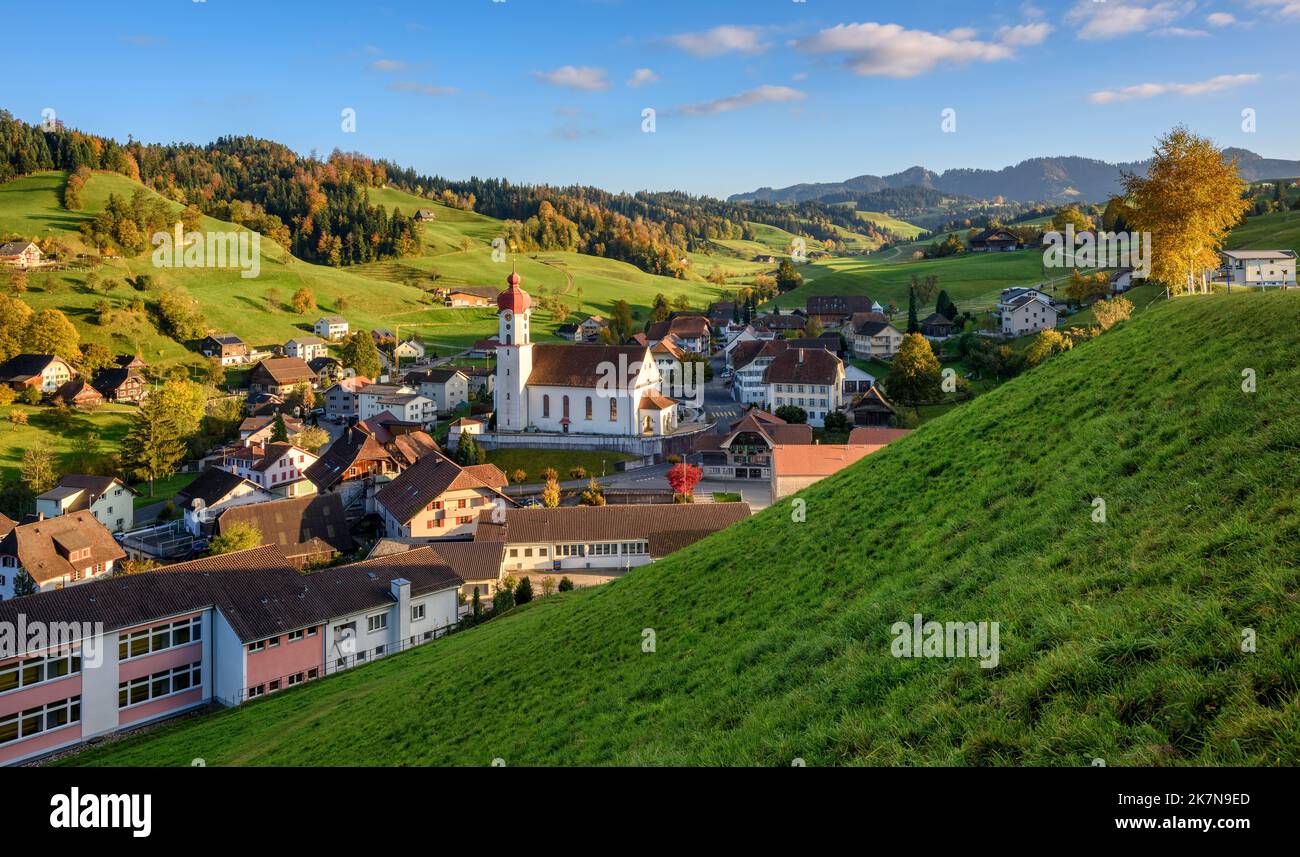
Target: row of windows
{"type": "Point", "coordinates": [564, 403]}
{"type": "Point", "coordinates": [149, 640]}
{"type": "Point", "coordinates": [160, 684]}
{"type": "Point", "coordinates": [593, 549]}
{"type": "Point", "coordinates": [274, 642]}
{"type": "Point", "coordinates": [36, 670]}
{"type": "Point", "coordinates": [43, 718]}
{"type": "Point", "coordinates": [289, 681]}
{"type": "Point", "coordinates": [791, 400]}
{"type": "Point", "coordinates": [802, 388]}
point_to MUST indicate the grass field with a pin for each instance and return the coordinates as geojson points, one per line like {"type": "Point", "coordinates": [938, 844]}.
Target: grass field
{"type": "Point", "coordinates": [901, 228]}
{"type": "Point", "coordinates": [109, 421]}
{"type": "Point", "coordinates": [534, 461]}
{"type": "Point", "coordinates": [1119, 640]}
{"type": "Point", "coordinates": [1268, 232]}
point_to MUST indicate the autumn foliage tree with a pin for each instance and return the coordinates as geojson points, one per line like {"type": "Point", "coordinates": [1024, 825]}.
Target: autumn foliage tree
{"type": "Point", "coordinates": [1112, 312]}
{"type": "Point", "coordinates": [1189, 200]}
{"type": "Point", "coordinates": [915, 376]}
{"type": "Point", "coordinates": [683, 478]}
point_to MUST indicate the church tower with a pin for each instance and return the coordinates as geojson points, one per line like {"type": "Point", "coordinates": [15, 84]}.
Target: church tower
{"type": "Point", "coordinates": [514, 356]}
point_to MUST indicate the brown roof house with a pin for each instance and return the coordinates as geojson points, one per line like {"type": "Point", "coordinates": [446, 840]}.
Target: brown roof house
{"type": "Point", "coordinates": [308, 529]}
{"type": "Point", "coordinates": [808, 378]}
{"type": "Point", "coordinates": [438, 497]}
{"type": "Point", "coordinates": [796, 467]}
{"type": "Point", "coordinates": [692, 332]}
{"type": "Point", "coordinates": [46, 372]}
{"type": "Point", "coordinates": [121, 384]}
{"type": "Point", "coordinates": [57, 552]}
{"type": "Point", "coordinates": [745, 451]}
{"type": "Point", "coordinates": [279, 375]}
{"type": "Point", "coordinates": [226, 347]}
{"type": "Point", "coordinates": [477, 563]}
{"type": "Point", "coordinates": [78, 394]}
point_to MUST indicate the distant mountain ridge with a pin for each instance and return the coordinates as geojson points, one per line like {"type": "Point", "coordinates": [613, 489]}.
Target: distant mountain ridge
{"type": "Point", "coordinates": [1056, 179]}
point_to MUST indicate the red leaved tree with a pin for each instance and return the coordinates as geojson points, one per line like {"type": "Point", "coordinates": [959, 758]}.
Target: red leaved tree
{"type": "Point", "coordinates": [683, 478]}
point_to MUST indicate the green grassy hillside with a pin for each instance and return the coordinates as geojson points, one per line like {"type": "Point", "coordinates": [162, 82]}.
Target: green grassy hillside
{"type": "Point", "coordinates": [1120, 640]}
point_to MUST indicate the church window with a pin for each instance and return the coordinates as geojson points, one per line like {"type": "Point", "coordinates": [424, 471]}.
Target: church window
{"type": "Point", "coordinates": [546, 406]}
{"type": "Point", "coordinates": [589, 407]}
{"type": "Point", "coordinates": [565, 403]}
{"type": "Point", "coordinates": [613, 410]}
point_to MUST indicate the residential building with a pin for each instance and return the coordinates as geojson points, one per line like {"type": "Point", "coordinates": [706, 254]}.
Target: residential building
{"type": "Point", "coordinates": [1026, 312]}
{"type": "Point", "coordinates": [306, 348]}
{"type": "Point", "coordinates": [409, 349]}
{"type": "Point", "coordinates": [108, 498]}
{"type": "Point", "coordinates": [331, 327]}
{"type": "Point", "coordinates": [600, 541]}
{"type": "Point", "coordinates": [691, 332]}
{"type": "Point", "coordinates": [464, 425]}
{"type": "Point", "coordinates": [872, 337]}
{"type": "Point", "coordinates": [402, 401]}
{"type": "Point", "coordinates": [121, 384]}
{"type": "Point", "coordinates": [478, 564]}
{"type": "Point", "coordinates": [936, 326]}
{"type": "Point", "coordinates": [225, 347]}
{"type": "Point", "coordinates": [745, 451]}
{"type": "Point", "coordinates": [592, 326]}
{"type": "Point", "coordinates": [438, 497]}
{"type": "Point", "coordinates": [45, 372]}
{"type": "Point", "coordinates": [1263, 268]}
{"type": "Point", "coordinates": [141, 648]}
{"type": "Point", "coordinates": [258, 430]}
{"type": "Point", "coordinates": [796, 467]}
{"type": "Point", "coordinates": [341, 399]}
{"type": "Point", "coordinates": [329, 371]}
{"type": "Point", "coordinates": [57, 552]}
{"type": "Point", "coordinates": [214, 491]}
{"type": "Point", "coordinates": [809, 378]}
{"type": "Point", "coordinates": [78, 394]}
{"type": "Point", "coordinates": [471, 296]}
{"type": "Point", "coordinates": [20, 254]}
{"type": "Point", "coordinates": [278, 376]}
{"type": "Point", "coordinates": [995, 240]}
{"type": "Point", "coordinates": [276, 467]}
{"type": "Point", "coordinates": [448, 389]}
{"type": "Point", "coordinates": [834, 311]}
{"type": "Point", "coordinates": [750, 360]}
{"type": "Point", "coordinates": [569, 332]}
{"type": "Point", "coordinates": [308, 530]}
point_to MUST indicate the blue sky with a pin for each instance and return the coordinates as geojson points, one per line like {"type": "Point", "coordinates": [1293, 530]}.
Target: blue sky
{"type": "Point", "coordinates": [764, 92]}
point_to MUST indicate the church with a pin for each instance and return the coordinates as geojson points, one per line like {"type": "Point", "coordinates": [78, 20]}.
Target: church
{"type": "Point", "coordinates": [573, 389]}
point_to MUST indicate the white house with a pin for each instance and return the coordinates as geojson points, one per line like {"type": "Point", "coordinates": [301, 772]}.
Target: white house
{"type": "Point", "coordinates": [871, 336]}
{"type": "Point", "coordinates": [20, 254]}
{"type": "Point", "coordinates": [331, 327]}
{"type": "Point", "coordinates": [578, 389]}
{"type": "Point", "coordinates": [46, 372]}
{"type": "Point", "coordinates": [447, 388]}
{"type": "Point", "coordinates": [1029, 311]}
{"type": "Point", "coordinates": [409, 349]}
{"type": "Point", "coordinates": [808, 378]}
{"type": "Point", "coordinates": [216, 490]}
{"type": "Point", "coordinates": [1263, 268]}
{"type": "Point", "coordinates": [57, 552]}
{"type": "Point", "coordinates": [275, 467]}
{"type": "Point", "coordinates": [403, 402]}
{"type": "Point", "coordinates": [306, 347]}
{"type": "Point", "coordinates": [108, 498]}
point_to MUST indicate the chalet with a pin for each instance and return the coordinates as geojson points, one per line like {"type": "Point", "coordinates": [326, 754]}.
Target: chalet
{"type": "Point", "coordinates": [438, 497]}
{"type": "Point", "coordinates": [471, 296]}
{"type": "Point", "coordinates": [691, 332]}
{"type": "Point", "coordinates": [306, 348]}
{"type": "Point", "coordinates": [20, 254]}
{"type": "Point", "coordinates": [57, 552]}
{"type": "Point", "coordinates": [308, 530]}
{"type": "Point", "coordinates": [130, 361]}
{"type": "Point", "coordinates": [569, 332]}
{"type": "Point", "coordinates": [78, 394]}
{"type": "Point", "coordinates": [809, 378]}
{"type": "Point", "coordinates": [1027, 312]}
{"type": "Point", "coordinates": [873, 409]}
{"type": "Point", "coordinates": [994, 240]}
{"type": "Point", "coordinates": [341, 399]}
{"type": "Point", "coordinates": [1263, 268]}
{"type": "Point", "coordinates": [347, 464]}
{"type": "Point", "coordinates": [936, 326]}
{"type": "Point", "coordinates": [328, 371]}
{"type": "Point", "coordinates": [592, 327]}
{"type": "Point", "coordinates": [873, 337]}
{"type": "Point", "coordinates": [409, 349]}
{"type": "Point", "coordinates": [835, 311]}
{"type": "Point", "coordinates": [448, 389]}
{"type": "Point", "coordinates": [597, 543]}
{"type": "Point", "coordinates": [424, 215]}
{"type": "Point", "coordinates": [279, 375]}
{"type": "Point", "coordinates": [214, 491]}
{"type": "Point", "coordinates": [331, 327]}
{"type": "Point", "coordinates": [796, 467]}
{"type": "Point", "coordinates": [276, 467]}
{"type": "Point", "coordinates": [226, 347]}
{"type": "Point", "coordinates": [107, 498]}
{"type": "Point", "coordinates": [45, 372]}
{"type": "Point", "coordinates": [745, 451]}
{"type": "Point", "coordinates": [121, 384]}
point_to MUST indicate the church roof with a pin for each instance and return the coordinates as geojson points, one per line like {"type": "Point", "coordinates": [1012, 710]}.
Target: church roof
{"type": "Point", "coordinates": [581, 365]}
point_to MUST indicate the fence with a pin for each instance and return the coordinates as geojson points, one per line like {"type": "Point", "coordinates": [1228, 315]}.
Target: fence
{"type": "Point", "coordinates": [330, 666]}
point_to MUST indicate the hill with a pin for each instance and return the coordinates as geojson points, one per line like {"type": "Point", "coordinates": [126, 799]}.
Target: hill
{"type": "Point", "coordinates": [1054, 179]}
{"type": "Point", "coordinates": [1119, 640]}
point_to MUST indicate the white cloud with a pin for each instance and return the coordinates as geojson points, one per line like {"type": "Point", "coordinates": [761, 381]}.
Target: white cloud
{"type": "Point", "coordinates": [892, 51]}
{"type": "Point", "coordinates": [586, 78]}
{"type": "Point", "coordinates": [1181, 32]}
{"type": "Point", "coordinates": [1221, 19]}
{"type": "Point", "coordinates": [1124, 17]}
{"type": "Point", "coordinates": [388, 65]}
{"type": "Point", "coordinates": [765, 94]}
{"type": "Point", "coordinates": [1282, 8]}
{"type": "Point", "coordinates": [729, 38]}
{"type": "Point", "coordinates": [1151, 90]}
{"type": "Point", "coordinates": [642, 77]}
{"type": "Point", "coordinates": [422, 88]}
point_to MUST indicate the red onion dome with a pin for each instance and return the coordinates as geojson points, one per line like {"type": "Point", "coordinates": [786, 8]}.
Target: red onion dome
{"type": "Point", "coordinates": [513, 298]}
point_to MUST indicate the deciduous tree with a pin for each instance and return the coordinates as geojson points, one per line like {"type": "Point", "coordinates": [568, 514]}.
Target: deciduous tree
{"type": "Point", "coordinates": [915, 376]}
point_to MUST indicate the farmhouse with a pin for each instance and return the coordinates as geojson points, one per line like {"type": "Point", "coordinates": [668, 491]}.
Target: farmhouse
{"type": "Point", "coordinates": [108, 498]}
{"type": "Point", "coordinates": [438, 497]}
{"type": "Point", "coordinates": [57, 552]}
{"type": "Point", "coordinates": [809, 378]}
{"type": "Point", "coordinates": [994, 240]}
{"type": "Point", "coordinates": [1263, 268]}
{"type": "Point", "coordinates": [745, 451]}
{"type": "Point", "coordinates": [45, 372]}
{"type": "Point", "coordinates": [873, 409]}
{"type": "Point", "coordinates": [227, 347]}
{"type": "Point", "coordinates": [602, 541]}
{"type": "Point", "coordinates": [278, 376]}
{"type": "Point", "coordinates": [834, 311]}
{"type": "Point", "coordinates": [221, 629]}
{"type": "Point", "coordinates": [306, 348]}
{"type": "Point", "coordinates": [78, 394]}
{"type": "Point", "coordinates": [121, 384]}
{"type": "Point", "coordinates": [331, 327]}
{"type": "Point", "coordinates": [873, 337]}
{"type": "Point", "coordinates": [20, 254]}
{"type": "Point", "coordinates": [936, 326]}
{"type": "Point", "coordinates": [425, 215]}
{"type": "Point", "coordinates": [580, 389]}
{"type": "Point", "coordinates": [471, 296]}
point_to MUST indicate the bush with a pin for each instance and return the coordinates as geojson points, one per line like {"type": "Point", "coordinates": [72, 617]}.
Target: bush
{"type": "Point", "coordinates": [566, 585]}
{"type": "Point", "coordinates": [524, 591]}
{"type": "Point", "coordinates": [30, 396]}
{"type": "Point", "coordinates": [792, 414]}
{"type": "Point", "coordinates": [577, 472]}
